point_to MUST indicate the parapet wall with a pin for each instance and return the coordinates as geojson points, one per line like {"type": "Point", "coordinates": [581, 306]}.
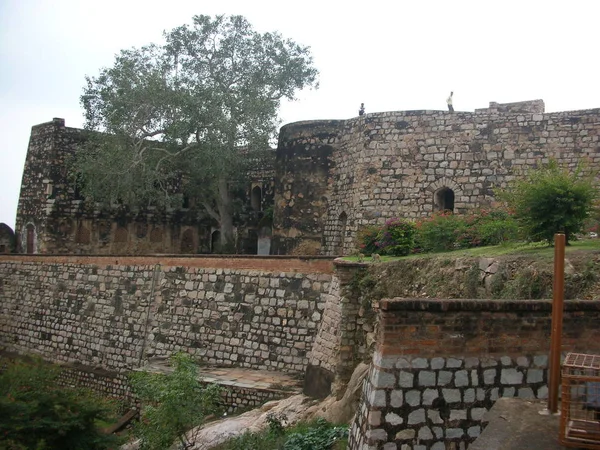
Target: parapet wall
{"type": "Point", "coordinates": [440, 365]}
{"type": "Point", "coordinates": [115, 312]}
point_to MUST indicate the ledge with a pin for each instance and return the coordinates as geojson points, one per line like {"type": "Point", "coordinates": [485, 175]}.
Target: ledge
{"type": "Point", "coordinates": [444, 305]}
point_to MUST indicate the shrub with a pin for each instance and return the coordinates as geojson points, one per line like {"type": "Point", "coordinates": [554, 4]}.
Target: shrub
{"type": "Point", "coordinates": [367, 238]}
{"type": "Point", "coordinates": [172, 404]}
{"type": "Point", "coordinates": [440, 232]}
{"type": "Point", "coordinates": [549, 200]}
{"type": "Point", "coordinates": [397, 238]}
{"type": "Point", "coordinates": [37, 413]}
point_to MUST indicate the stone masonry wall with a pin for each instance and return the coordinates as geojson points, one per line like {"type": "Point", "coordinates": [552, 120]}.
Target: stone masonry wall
{"type": "Point", "coordinates": [112, 312]}
{"type": "Point", "coordinates": [440, 365]}
{"type": "Point", "coordinates": [391, 164]}
{"type": "Point", "coordinates": [63, 222]}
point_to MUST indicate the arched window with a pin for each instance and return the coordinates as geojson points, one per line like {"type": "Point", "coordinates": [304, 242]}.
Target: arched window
{"type": "Point", "coordinates": [256, 198]}
{"type": "Point", "coordinates": [187, 241]}
{"type": "Point", "coordinates": [342, 221]}
{"type": "Point", "coordinates": [30, 238]}
{"type": "Point", "coordinates": [443, 200]}
{"type": "Point", "coordinates": [215, 242]}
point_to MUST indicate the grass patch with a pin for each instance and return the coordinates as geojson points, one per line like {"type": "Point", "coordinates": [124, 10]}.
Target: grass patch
{"type": "Point", "coordinates": [536, 249]}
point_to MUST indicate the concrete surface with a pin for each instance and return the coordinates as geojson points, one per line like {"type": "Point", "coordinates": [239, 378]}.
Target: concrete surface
{"type": "Point", "coordinates": [515, 424]}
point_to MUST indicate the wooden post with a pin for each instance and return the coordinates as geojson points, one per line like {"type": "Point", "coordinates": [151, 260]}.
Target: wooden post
{"type": "Point", "coordinates": [557, 319]}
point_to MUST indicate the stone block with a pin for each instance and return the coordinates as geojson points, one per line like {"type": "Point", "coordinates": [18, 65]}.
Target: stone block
{"type": "Point", "coordinates": [393, 419]}
{"type": "Point", "coordinates": [511, 376]}
{"type": "Point", "coordinates": [382, 379]}
{"type": "Point", "coordinates": [426, 378]}
{"type": "Point", "coordinates": [437, 363]}
{"type": "Point", "coordinates": [461, 378]}
{"type": "Point", "coordinates": [453, 363]}
{"type": "Point", "coordinates": [419, 363]}
{"type": "Point", "coordinates": [405, 435]}
{"type": "Point", "coordinates": [451, 395]}
{"type": "Point", "coordinates": [416, 417]}
{"type": "Point", "coordinates": [413, 397]}
{"type": "Point", "coordinates": [474, 431]}
{"type": "Point", "coordinates": [453, 433]}
{"type": "Point", "coordinates": [489, 376]}
{"type": "Point", "coordinates": [406, 379]}
{"type": "Point", "coordinates": [535, 375]}
{"type": "Point", "coordinates": [526, 392]}
{"type": "Point", "coordinates": [458, 414]}
{"type": "Point", "coordinates": [434, 416]}
{"type": "Point", "coordinates": [444, 377]}
{"type": "Point", "coordinates": [429, 395]}
{"type": "Point", "coordinates": [376, 435]}
{"type": "Point", "coordinates": [396, 399]}
{"type": "Point", "coordinates": [477, 414]}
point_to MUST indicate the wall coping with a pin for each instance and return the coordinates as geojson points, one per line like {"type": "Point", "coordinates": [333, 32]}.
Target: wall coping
{"type": "Point", "coordinates": [274, 263]}
{"type": "Point", "coordinates": [444, 305]}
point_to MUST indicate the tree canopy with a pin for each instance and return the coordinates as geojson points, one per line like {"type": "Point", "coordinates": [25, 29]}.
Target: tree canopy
{"type": "Point", "coordinates": [187, 116]}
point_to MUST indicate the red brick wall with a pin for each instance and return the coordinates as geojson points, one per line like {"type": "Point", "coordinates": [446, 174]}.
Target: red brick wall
{"type": "Point", "coordinates": [428, 327]}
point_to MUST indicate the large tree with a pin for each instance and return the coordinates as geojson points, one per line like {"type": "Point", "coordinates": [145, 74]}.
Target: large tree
{"type": "Point", "coordinates": [188, 116]}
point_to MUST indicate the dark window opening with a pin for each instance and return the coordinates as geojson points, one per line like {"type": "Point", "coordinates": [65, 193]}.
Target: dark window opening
{"type": "Point", "coordinates": [444, 200]}
{"type": "Point", "coordinates": [256, 198]}
{"type": "Point", "coordinates": [343, 221]}
{"type": "Point", "coordinates": [215, 242]}
{"type": "Point", "coordinates": [30, 237]}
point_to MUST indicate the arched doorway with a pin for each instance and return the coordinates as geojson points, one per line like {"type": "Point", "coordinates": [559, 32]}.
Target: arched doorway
{"type": "Point", "coordinates": [215, 242]}
{"type": "Point", "coordinates": [256, 198]}
{"type": "Point", "coordinates": [443, 200]}
{"type": "Point", "coordinates": [30, 239]}
{"type": "Point", "coordinates": [342, 221]}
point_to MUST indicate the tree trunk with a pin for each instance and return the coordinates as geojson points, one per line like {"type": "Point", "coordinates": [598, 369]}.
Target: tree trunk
{"type": "Point", "coordinates": [226, 218]}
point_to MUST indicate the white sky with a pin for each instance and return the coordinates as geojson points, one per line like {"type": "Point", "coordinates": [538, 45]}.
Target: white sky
{"type": "Point", "coordinates": [391, 55]}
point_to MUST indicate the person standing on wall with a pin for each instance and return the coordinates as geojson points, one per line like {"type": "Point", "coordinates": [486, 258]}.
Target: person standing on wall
{"type": "Point", "coordinates": [449, 101]}
{"type": "Point", "coordinates": [361, 110]}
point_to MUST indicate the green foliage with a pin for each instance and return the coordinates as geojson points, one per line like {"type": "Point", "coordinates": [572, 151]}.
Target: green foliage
{"type": "Point", "coordinates": [192, 115]}
{"type": "Point", "coordinates": [366, 238]}
{"type": "Point", "coordinates": [172, 404]}
{"type": "Point", "coordinates": [440, 232]}
{"type": "Point", "coordinates": [551, 199]}
{"type": "Point", "coordinates": [36, 413]}
{"type": "Point", "coordinates": [397, 238]}
{"type": "Point", "coordinates": [316, 435]}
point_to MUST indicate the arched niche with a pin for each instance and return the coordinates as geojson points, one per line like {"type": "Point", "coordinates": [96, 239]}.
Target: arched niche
{"type": "Point", "coordinates": [443, 199]}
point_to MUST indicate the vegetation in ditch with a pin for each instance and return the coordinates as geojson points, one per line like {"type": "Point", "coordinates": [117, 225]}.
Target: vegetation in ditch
{"type": "Point", "coordinates": [38, 413]}
{"type": "Point", "coordinates": [172, 404]}
{"type": "Point", "coordinates": [315, 435]}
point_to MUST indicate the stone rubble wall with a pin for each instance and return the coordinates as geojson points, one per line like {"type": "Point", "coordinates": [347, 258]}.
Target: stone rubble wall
{"type": "Point", "coordinates": [116, 315]}
{"type": "Point", "coordinates": [441, 364]}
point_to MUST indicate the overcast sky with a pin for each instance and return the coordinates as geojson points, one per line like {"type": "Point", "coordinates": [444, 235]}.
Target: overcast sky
{"type": "Point", "coordinates": [391, 55]}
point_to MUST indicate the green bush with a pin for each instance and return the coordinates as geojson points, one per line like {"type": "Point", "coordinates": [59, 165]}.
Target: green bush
{"type": "Point", "coordinates": [440, 232]}
{"type": "Point", "coordinates": [172, 404]}
{"type": "Point", "coordinates": [37, 413]}
{"type": "Point", "coordinates": [367, 238]}
{"type": "Point", "coordinates": [396, 238]}
{"type": "Point", "coordinates": [549, 200]}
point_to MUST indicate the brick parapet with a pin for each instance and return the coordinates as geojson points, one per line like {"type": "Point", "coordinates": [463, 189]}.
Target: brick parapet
{"type": "Point", "coordinates": [439, 366]}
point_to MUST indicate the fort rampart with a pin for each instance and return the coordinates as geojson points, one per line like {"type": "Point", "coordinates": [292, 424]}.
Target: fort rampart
{"type": "Point", "coordinates": [365, 170]}
{"type": "Point", "coordinates": [116, 312]}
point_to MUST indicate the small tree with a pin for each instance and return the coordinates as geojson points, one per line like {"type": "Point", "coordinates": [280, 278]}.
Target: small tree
{"type": "Point", "coordinates": [172, 404]}
{"type": "Point", "coordinates": [37, 413]}
{"type": "Point", "coordinates": [550, 199]}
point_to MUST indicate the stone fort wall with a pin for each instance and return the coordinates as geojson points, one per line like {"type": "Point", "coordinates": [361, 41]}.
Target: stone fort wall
{"type": "Point", "coordinates": [402, 164]}
{"type": "Point", "coordinates": [54, 218]}
{"type": "Point", "coordinates": [116, 312]}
